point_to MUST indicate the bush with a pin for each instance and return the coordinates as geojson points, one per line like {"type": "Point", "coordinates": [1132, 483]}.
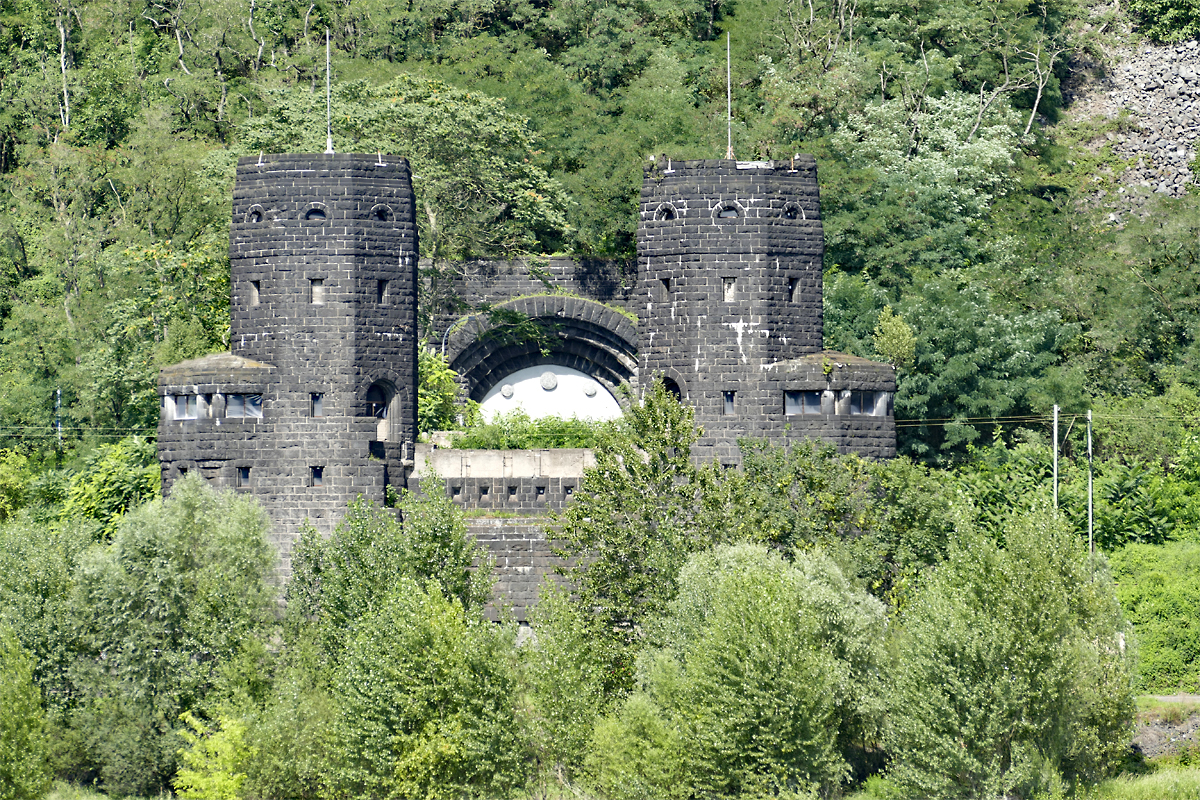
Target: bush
{"type": "Point", "coordinates": [518, 431]}
{"type": "Point", "coordinates": [764, 681]}
{"type": "Point", "coordinates": [1012, 672]}
{"type": "Point", "coordinates": [114, 479]}
{"type": "Point", "coordinates": [24, 764]}
{"type": "Point", "coordinates": [425, 702]}
{"type": "Point", "coordinates": [1168, 20]}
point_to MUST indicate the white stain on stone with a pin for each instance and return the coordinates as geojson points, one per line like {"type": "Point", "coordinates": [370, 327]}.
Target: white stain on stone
{"type": "Point", "coordinates": [740, 327]}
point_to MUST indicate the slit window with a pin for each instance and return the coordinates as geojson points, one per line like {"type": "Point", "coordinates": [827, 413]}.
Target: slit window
{"type": "Point", "coordinates": [186, 406]}
{"type": "Point", "coordinates": [727, 403]}
{"type": "Point", "coordinates": [316, 476]}
{"type": "Point", "coordinates": [316, 404]}
{"type": "Point", "coordinates": [729, 289]}
{"type": "Point", "coordinates": [255, 288]}
{"type": "Point", "coordinates": [793, 289]}
{"type": "Point", "coordinates": [244, 406]}
{"type": "Point", "coordinates": [381, 292]}
{"type": "Point", "coordinates": [243, 477]}
{"type": "Point", "coordinates": [805, 403]}
{"type": "Point", "coordinates": [316, 291]}
{"type": "Point", "coordinates": [665, 290]}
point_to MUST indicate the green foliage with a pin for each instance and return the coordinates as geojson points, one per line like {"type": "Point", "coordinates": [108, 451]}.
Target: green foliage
{"type": "Point", "coordinates": [764, 681]}
{"type": "Point", "coordinates": [1159, 590]}
{"type": "Point", "coordinates": [181, 586]}
{"type": "Point", "coordinates": [425, 702]}
{"type": "Point", "coordinates": [1167, 20]}
{"type": "Point", "coordinates": [518, 431]}
{"type": "Point", "coordinates": [568, 685]}
{"type": "Point", "coordinates": [894, 339]}
{"type": "Point", "coordinates": [114, 479]}
{"type": "Point", "coordinates": [1012, 672]}
{"type": "Point", "coordinates": [13, 477]}
{"type": "Point", "coordinates": [478, 193]}
{"type": "Point", "coordinates": [24, 763]}
{"type": "Point", "coordinates": [213, 761]}
{"type": "Point", "coordinates": [437, 392]}
{"type": "Point", "coordinates": [338, 582]}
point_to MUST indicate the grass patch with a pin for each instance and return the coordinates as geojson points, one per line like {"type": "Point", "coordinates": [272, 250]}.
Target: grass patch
{"type": "Point", "coordinates": [1152, 709]}
{"type": "Point", "coordinates": [69, 791]}
{"type": "Point", "coordinates": [517, 431]}
{"type": "Point", "coordinates": [1177, 783]}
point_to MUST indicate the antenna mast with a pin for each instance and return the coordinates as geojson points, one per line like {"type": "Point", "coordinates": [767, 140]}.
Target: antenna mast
{"type": "Point", "coordinates": [728, 101]}
{"type": "Point", "coordinates": [328, 106]}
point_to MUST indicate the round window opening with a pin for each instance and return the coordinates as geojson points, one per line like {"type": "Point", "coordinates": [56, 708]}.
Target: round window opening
{"type": "Point", "coordinates": [255, 216]}
{"type": "Point", "coordinates": [315, 214]}
{"type": "Point", "coordinates": [791, 211]}
{"type": "Point", "coordinates": [382, 214]}
{"type": "Point", "coordinates": [665, 213]}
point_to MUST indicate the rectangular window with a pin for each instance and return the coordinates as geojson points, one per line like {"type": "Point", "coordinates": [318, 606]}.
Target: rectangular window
{"type": "Point", "coordinates": [316, 404]}
{"type": "Point", "coordinates": [254, 290]}
{"type": "Point", "coordinates": [243, 477]}
{"type": "Point", "coordinates": [793, 289]}
{"type": "Point", "coordinates": [381, 292]}
{"type": "Point", "coordinates": [316, 476]}
{"type": "Point", "coordinates": [727, 399]}
{"type": "Point", "coordinates": [244, 406]}
{"type": "Point", "coordinates": [729, 289]}
{"type": "Point", "coordinates": [873, 404]}
{"type": "Point", "coordinates": [807, 403]}
{"type": "Point", "coordinates": [316, 291]}
{"type": "Point", "coordinates": [185, 406]}
{"type": "Point", "coordinates": [664, 294]}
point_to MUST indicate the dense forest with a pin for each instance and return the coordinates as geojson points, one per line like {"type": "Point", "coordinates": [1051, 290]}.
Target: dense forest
{"type": "Point", "coordinates": [812, 625]}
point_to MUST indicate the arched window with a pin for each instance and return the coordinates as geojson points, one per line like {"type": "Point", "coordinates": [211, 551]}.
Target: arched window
{"type": "Point", "coordinates": [665, 213]}
{"type": "Point", "coordinates": [375, 404]}
{"type": "Point", "coordinates": [314, 214]}
{"type": "Point", "coordinates": [728, 212]}
{"type": "Point", "coordinates": [673, 387]}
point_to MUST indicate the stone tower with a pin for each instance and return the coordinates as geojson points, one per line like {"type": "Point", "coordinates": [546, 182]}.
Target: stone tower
{"type": "Point", "coordinates": [316, 402]}
{"type": "Point", "coordinates": [730, 270]}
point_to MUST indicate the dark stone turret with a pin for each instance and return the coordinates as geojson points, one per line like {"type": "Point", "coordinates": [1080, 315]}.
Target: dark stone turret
{"type": "Point", "coordinates": [316, 403]}
{"type": "Point", "coordinates": [730, 266]}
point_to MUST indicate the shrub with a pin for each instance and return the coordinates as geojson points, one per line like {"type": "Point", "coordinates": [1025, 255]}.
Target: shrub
{"type": "Point", "coordinates": [518, 431]}
{"type": "Point", "coordinates": [24, 764]}
{"type": "Point", "coordinates": [763, 681]}
{"type": "Point", "coordinates": [214, 761]}
{"type": "Point", "coordinates": [425, 702]}
{"type": "Point", "coordinates": [1012, 671]}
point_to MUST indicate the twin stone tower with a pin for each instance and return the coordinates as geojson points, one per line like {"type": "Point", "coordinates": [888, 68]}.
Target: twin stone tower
{"type": "Point", "coordinates": [315, 404]}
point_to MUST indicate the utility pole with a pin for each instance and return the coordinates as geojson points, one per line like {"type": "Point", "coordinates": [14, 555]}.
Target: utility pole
{"type": "Point", "coordinates": [1091, 538]}
{"type": "Point", "coordinates": [1056, 458]}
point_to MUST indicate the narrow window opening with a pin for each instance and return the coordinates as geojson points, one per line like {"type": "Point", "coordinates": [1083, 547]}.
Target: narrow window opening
{"type": "Point", "coordinates": [727, 402]}
{"type": "Point", "coordinates": [512, 491]}
{"type": "Point", "coordinates": [455, 491]}
{"type": "Point", "coordinates": [568, 490]}
{"type": "Point", "coordinates": [791, 211]}
{"type": "Point", "coordinates": [244, 406]}
{"type": "Point", "coordinates": [315, 214]}
{"type": "Point", "coordinates": [316, 404]}
{"type": "Point", "coordinates": [183, 472]}
{"type": "Point", "coordinates": [541, 491]}
{"type": "Point", "coordinates": [186, 406]}
{"type": "Point", "coordinates": [316, 476]}
{"type": "Point", "coordinates": [729, 286]}
{"type": "Point", "coordinates": [316, 291]}
{"type": "Point", "coordinates": [254, 216]}
{"type": "Point", "coordinates": [483, 491]}
{"type": "Point", "coordinates": [381, 292]}
{"type": "Point", "coordinates": [382, 213]}
{"type": "Point", "coordinates": [671, 386]}
{"type": "Point", "coordinates": [793, 289]}
{"type": "Point", "coordinates": [255, 289]}
{"type": "Point", "coordinates": [665, 290]}
{"type": "Point", "coordinates": [806, 403]}
{"type": "Point", "coordinates": [243, 477]}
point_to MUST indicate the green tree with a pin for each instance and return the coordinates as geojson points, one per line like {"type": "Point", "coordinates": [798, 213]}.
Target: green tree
{"type": "Point", "coordinates": [177, 592]}
{"type": "Point", "coordinates": [765, 681]}
{"type": "Point", "coordinates": [1013, 672]}
{"type": "Point", "coordinates": [437, 391]}
{"type": "Point", "coordinates": [24, 762]}
{"type": "Point", "coordinates": [114, 479]}
{"type": "Point", "coordinates": [425, 702]}
{"type": "Point", "coordinates": [479, 192]}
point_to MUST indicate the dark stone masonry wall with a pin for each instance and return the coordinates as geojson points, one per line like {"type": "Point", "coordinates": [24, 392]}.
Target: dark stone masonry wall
{"type": "Point", "coordinates": [315, 404]}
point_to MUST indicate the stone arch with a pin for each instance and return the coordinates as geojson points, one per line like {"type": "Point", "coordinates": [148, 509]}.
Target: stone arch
{"type": "Point", "coordinates": [577, 333]}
